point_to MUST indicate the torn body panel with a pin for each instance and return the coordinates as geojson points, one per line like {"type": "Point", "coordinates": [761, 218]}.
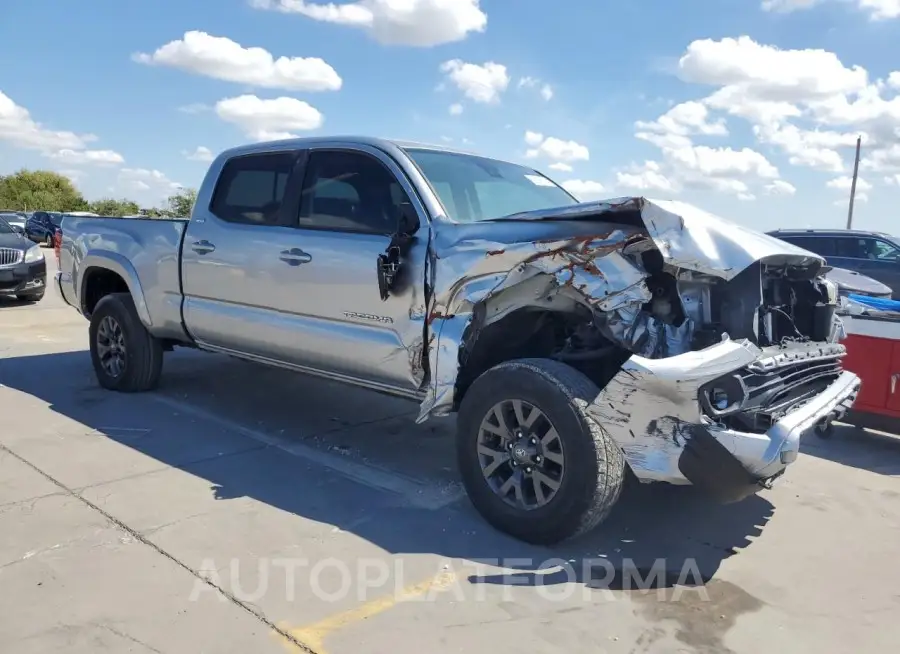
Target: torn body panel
{"type": "Point", "coordinates": [677, 308]}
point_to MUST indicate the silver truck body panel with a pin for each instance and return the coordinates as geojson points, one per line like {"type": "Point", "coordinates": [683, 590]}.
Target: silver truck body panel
{"type": "Point", "coordinates": [251, 297]}
{"type": "Point", "coordinates": [143, 252]}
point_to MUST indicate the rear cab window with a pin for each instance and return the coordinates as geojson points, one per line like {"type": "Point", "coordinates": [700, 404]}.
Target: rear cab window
{"type": "Point", "coordinates": [251, 189]}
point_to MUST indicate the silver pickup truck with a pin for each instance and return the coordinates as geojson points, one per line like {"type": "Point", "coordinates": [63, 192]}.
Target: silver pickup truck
{"type": "Point", "coordinates": [577, 342]}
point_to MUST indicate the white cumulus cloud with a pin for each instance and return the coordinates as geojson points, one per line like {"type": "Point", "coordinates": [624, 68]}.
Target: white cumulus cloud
{"type": "Point", "coordinates": [844, 183]}
{"type": "Point", "coordinates": [584, 189]}
{"type": "Point", "coordinates": [20, 130]}
{"type": "Point", "coordinates": [200, 154]}
{"type": "Point", "coordinates": [550, 147]}
{"type": "Point", "coordinates": [151, 181]}
{"type": "Point", "coordinates": [876, 9]}
{"type": "Point", "coordinates": [221, 58]}
{"type": "Point", "coordinates": [269, 120]}
{"type": "Point", "coordinates": [780, 187]}
{"type": "Point", "coordinates": [647, 177]}
{"type": "Point", "coordinates": [81, 157]}
{"type": "Point", "coordinates": [483, 83]}
{"type": "Point", "coordinates": [417, 23]}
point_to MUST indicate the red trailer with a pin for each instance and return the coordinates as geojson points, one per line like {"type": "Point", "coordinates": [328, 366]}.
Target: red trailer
{"type": "Point", "coordinates": [873, 353]}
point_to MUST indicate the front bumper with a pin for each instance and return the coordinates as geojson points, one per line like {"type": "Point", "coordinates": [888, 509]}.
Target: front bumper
{"type": "Point", "coordinates": [651, 409]}
{"type": "Point", "coordinates": [23, 278]}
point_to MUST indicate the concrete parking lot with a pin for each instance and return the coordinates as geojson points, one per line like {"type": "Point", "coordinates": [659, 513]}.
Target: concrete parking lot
{"type": "Point", "coordinates": [241, 509]}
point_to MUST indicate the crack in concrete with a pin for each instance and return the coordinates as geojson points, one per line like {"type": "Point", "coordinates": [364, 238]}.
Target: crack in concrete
{"type": "Point", "coordinates": [256, 613]}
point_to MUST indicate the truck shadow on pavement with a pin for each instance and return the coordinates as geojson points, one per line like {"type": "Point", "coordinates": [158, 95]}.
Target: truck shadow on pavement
{"type": "Point", "coordinates": [662, 535]}
{"type": "Point", "coordinates": [857, 448]}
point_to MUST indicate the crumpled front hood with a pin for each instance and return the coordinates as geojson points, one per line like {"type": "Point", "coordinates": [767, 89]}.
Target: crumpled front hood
{"type": "Point", "coordinates": [687, 236]}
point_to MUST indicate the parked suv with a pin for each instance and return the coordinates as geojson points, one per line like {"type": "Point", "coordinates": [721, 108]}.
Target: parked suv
{"type": "Point", "coordinates": [42, 225]}
{"type": "Point", "coordinates": [873, 254]}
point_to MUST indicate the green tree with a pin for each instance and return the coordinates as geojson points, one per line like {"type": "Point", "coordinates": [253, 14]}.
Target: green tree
{"type": "Point", "coordinates": [111, 207]}
{"type": "Point", "coordinates": [154, 212]}
{"type": "Point", "coordinates": [182, 203]}
{"type": "Point", "coordinates": [35, 190]}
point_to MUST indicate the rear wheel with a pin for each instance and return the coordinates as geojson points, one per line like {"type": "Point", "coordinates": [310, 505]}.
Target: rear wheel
{"type": "Point", "coordinates": [125, 356]}
{"type": "Point", "coordinates": [532, 461]}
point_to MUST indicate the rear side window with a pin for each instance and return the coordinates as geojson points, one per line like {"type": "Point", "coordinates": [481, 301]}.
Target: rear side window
{"type": "Point", "coordinates": [823, 246]}
{"type": "Point", "coordinates": [251, 189]}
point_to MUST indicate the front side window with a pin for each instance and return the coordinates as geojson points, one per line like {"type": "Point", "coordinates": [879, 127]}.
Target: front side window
{"type": "Point", "coordinates": [869, 248]}
{"type": "Point", "coordinates": [886, 251]}
{"type": "Point", "coordinates": [251, 188]}
{"type": "Point", "coordinates": [350, 191]}
{"type": "Point", "coordinates": [474, 188]}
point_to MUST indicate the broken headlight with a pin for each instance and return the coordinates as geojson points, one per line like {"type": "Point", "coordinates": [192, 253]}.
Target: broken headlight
{"type": "Point", "coordinates": [723, 396]}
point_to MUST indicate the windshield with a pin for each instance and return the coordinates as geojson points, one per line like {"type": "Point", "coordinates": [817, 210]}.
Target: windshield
{"type": "Point", "coordinates": [474, 188]}
{"type": "Point", "coordinates": [5, 227]}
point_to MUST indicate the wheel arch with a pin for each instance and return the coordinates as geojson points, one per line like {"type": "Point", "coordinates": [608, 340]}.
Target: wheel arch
{"type": "Point", "coordinates": [103, 273]}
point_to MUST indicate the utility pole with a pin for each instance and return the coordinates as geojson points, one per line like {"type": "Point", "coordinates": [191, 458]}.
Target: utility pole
{"type": "Point", "coordinates": [853, 183]}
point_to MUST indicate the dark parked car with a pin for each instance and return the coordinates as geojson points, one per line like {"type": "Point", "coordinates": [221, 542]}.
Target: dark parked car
{"type": "Point", "coordinates": [23, 269]}
{"type": "Point", "coordinates": [872, 254]}
{"type": "Point", "coordinates": [42, 225]}
{"type": "Point", "coordinates": [15, 219]}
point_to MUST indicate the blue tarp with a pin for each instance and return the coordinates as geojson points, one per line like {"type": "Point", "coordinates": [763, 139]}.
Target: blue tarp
{"type": "Point", "coordinates": [881, 304]}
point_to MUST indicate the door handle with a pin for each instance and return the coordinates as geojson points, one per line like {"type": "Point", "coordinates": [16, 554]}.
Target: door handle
{"type": "Point", "coordinates": [202, 247]}
{"type": "Point", "coordinates": [894, 378]}
{"type": "Point", "coordinates": [295, 256]}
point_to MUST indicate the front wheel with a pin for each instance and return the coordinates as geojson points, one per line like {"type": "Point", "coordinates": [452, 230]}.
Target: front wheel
{"type": "Point", "coordinates": [533, 463]}
{"type": "Point", "coordinates": [48, 241]}
{"type": "Point", "coordinates": [125, 355]}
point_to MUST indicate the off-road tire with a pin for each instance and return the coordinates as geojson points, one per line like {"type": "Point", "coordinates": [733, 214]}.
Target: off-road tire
{"type": "Point", "coordinates": [594, 464]}
{"type": "Point", "coordinates": [144, 353]}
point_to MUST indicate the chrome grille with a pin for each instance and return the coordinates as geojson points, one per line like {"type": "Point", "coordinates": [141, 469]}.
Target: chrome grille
{"type": "Point", "coordinates": [10, 256]}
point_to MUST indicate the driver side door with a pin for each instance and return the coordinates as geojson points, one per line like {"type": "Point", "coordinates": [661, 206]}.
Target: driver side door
{"type": "Point", "coordinates": [349, 210]}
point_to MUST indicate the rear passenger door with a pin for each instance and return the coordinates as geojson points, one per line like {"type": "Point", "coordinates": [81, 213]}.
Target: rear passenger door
{"type": "Point", "coordinates": [232, 258]}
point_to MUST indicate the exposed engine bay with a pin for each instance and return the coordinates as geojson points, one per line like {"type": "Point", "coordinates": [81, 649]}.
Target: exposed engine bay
{"type": "Point", "coordinates": [775, 309]}
{"type": "Point", "coordinates": [659, 311]}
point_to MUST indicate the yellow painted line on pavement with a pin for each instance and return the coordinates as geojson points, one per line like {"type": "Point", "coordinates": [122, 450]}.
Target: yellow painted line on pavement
{"type": "Point", "coordinates": [313, 636]}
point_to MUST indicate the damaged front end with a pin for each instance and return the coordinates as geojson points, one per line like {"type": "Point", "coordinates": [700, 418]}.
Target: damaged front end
{"type": "Point", "coordinates": [715, 347]}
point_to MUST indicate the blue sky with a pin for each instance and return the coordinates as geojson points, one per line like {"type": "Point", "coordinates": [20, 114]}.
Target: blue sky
{"type": "Point", "coordinates": [749, 108]}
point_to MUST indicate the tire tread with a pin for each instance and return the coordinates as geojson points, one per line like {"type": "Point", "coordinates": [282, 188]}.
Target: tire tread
{"type": "Point", "coordinates": [145, 352]}
{"type": "Point", "coordinates": [610, 460]}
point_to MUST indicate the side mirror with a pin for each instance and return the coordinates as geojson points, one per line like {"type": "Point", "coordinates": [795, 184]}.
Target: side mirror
{"type": "Point", "coordinates": [389, 267]}
{"type": "Point", "coordinates": [18, 229]}
{"type": "Point", "coordinates": [409, 220]}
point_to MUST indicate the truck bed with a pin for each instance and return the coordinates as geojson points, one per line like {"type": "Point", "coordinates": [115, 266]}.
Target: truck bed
{"type": "Point", "coordinates": [145, 252]}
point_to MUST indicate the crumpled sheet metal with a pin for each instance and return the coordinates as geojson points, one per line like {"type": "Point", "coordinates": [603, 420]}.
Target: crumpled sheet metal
{"type": "Point", "coordinates": [588, 268]}
{"type": "Point", "coordinates": [689, 237]}
{"type": "Point", "coordinates": [651, 404]}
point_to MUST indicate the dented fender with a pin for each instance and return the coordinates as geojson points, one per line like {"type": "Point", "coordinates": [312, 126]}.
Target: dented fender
{"type": "Point", "coordinates": [583, 254]}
